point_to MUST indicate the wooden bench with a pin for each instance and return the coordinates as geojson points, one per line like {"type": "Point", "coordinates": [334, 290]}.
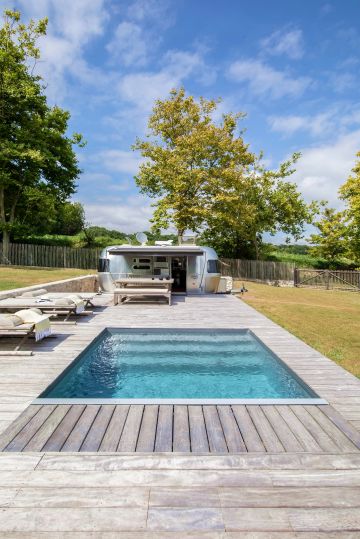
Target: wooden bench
{"type": "Point", "coordinates": [120, 294]}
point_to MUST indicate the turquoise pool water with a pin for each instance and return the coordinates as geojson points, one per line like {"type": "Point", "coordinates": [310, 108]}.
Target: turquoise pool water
{"type": "Point", "coordinates": [177, 364]}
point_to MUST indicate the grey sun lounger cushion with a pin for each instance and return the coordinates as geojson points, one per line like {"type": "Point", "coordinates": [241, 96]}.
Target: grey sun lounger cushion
{"type": "Point", "coordinates": [10, 321]}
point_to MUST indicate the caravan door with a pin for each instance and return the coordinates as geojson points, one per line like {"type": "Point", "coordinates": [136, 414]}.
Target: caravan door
{"type": "Point", "coordinates": [193, 280]}
{"type": "Point", "coordinates": [178, 273]}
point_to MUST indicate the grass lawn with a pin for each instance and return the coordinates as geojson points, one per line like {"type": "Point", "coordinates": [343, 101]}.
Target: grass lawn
{"type": "Point", "coordinates": [19, 276]}
{"type": "Point", "coordinates": [327, 320]}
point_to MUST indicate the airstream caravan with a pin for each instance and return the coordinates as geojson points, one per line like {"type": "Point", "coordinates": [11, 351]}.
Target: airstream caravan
{"type": "Point", "coordinates": [193, 268]}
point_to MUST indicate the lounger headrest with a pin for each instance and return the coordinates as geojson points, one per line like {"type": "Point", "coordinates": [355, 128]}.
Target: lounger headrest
{"type": "Point", "coordinates": [34, 293]}
{"type": "Point", "coordinates": [10, 321]}
{"type": "Point", "coordinates": [63, 301]}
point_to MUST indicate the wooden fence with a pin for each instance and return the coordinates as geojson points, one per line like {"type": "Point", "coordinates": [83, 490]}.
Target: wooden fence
{"type": "Point", "coordinates": [23, 254]}
{"type": "Point", "coordinates": [329, 279]}
{"type": "Point", "coordinates": [257, 270]}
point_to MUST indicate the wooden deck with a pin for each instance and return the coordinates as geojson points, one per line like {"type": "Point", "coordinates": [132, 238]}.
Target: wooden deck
{"type": "Point", "coordinates": [259, 472]}
{"type": "Point", "coordinates": [180, 428]}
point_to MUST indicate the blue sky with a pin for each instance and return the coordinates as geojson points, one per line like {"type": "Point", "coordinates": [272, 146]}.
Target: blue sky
{"type": "Point", "coordinates": [293, 67]}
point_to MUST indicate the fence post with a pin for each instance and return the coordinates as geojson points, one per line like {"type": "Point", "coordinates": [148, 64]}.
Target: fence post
{"type": "Point", "coordinates": [296, 276]}
{"type": "Point", "coordinates": [327, 279]}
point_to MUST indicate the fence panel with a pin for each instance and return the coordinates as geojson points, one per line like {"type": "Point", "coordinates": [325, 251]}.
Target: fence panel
{"type": "Point", "coordinates": [257, 270]}
{"type": "Point", "coordinates": [51, 256]}
{"type": "Point", "coordinates": [329, 279]}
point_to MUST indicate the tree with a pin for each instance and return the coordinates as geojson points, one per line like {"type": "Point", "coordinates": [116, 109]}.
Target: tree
{"type": "Point", "coordinates": [350, 193]}
{"type": "Point", "coordinates": [256, 202]}
{"type": "Point", "coordinates": [188, 159]}
{"type": "Point", "coordinates": [70, 218]}
{"type": "Point", "coordinates": [330, 242]}
{"type": "Point", "coordinates": [35, 151]}
{"type": "Point", "coordinates": [204, 177]}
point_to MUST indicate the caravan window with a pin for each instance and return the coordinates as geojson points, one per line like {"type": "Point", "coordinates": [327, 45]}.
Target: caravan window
{"type": "Point", "coordinates": [213, 266]}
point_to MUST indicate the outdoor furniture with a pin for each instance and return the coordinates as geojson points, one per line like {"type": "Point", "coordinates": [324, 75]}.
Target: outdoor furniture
{"type": "Point", "coordinates": [144, 282]}
{"type": "Point", "coordinates": [29, 322]}
{"type": "Point", "coordinates": [66, 306]}
{"type": "Point", "coordinates": [121, 294]}
{"type": "Point", "coordinates": [87, 297]}
{"type": "Point", "coordinates": [142, 286]}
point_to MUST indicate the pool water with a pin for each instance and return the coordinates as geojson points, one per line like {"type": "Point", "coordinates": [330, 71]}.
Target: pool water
{"type": "Point", "coordinates": [177, 364]}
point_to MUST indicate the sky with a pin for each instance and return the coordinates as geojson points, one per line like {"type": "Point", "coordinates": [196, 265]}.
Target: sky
{"type": "Point", "coordinates": [292, 67]}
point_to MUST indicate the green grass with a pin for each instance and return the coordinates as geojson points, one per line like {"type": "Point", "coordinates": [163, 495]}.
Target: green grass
{"type": "Point", "coordinates": [306, 260]}
{"type": "Point", "coordinates": [19, 276]}
{"type": "Point", "coordinates": [327, 320]}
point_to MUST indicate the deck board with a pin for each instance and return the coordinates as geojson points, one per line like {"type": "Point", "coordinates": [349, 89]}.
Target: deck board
{"type": "Point", "coordinates": [248, 430]}
{"type": "Point", "coordinates": [198, 436]}
{"type": "Point", "coordinates": [147, 434]}
{"type": "Point", "coordinates": [164, 431]}
{"type": "Point", "coordinates": [130, 433]}
{"type": "Point", "coordinates": [234, 440]}
{"type": "Point", "coordinates": [113, 433]}
{"type": "Point", "coordinates": [181, 439]}
{"type": "Point", "coordinates": [97, 430]}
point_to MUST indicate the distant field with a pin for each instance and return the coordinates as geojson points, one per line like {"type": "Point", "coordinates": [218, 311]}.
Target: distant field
{"type": "Point", "coordinates": [305, 260]}
{"type": "Point", "coordinates": [19, 276]}
{"type": "Point", "coordinates": [327, 320]}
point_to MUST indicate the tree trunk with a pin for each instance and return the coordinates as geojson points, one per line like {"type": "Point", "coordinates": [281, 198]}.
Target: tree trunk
{"type": "Point", "coordinates": [5, 246]}
{"type": "Point", "coordinates": [256, 245]}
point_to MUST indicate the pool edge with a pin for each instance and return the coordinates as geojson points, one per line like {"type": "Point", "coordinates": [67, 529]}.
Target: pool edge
{"type": "Point", "coordinates": [197, 402]}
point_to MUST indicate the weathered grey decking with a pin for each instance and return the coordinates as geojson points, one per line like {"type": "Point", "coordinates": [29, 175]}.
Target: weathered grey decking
{"type": "Point", "coordinates": [275, 491]}
{"type": "Point", "coordinates": [180, 428]}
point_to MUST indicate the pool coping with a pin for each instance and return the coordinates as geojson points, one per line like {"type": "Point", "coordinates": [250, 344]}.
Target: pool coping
{"type": "Point", "coordinates": [196, 402]}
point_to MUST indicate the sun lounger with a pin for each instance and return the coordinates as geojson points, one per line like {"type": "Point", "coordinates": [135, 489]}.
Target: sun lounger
{"type": "Point", "coordinates": [121, 294]}
{"type": "Point", "coordinates": [87, 297]}
{"type": "Point", "coordinates": [68, 306]}
{"type": "Point", "coordinates": [26, 323]}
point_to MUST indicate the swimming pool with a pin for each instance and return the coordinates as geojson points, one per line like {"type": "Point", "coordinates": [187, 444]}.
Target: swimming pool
{"type": "Point", "coordinates": [166, 365]}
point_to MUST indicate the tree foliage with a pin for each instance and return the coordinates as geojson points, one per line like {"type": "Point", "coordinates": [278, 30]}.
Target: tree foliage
{"type": "Point", "coordinates": [331, 240]}
{"type": "Point", "coordinates": [189, 160]}
{"type": "Point", "coordinates": [350, 193]}
{"type": "Point", "coordinates": [70, 219]}
{"type": "Point", "coordinates": [36, 154]}
{"type": "Point", "coordinates": [204, 178]}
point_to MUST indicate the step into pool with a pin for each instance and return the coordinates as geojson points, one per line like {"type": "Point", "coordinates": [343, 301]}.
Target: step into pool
{"type": "Point", "coordinates": [167, 365]}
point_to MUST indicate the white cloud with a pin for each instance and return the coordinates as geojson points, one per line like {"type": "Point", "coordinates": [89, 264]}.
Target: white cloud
{"type": "Point", "coordinates": [144, 88]}
{"type": "Point", "coordinates": [118, 161]}
{"type": "Point", "coordinates": [154, 10]}
{"type": "Point", "coordinates": [281, 42]}
{"type": "Point", "coordinates": [72, 24]}
{"type": "Point", "coordinates": [322, 169]}
{"type": "Point", "coordinates": [336, 120]}
{"type": "Point", "coordinates": [129, 45]}
{"type": "Point", "coordinates": [316, 125]}
{"type": "Point", "coordinates": [341, 82]}
{"type": "Point", "coordinates": [128, 216]}
{"type": "Point", "coordinates": [264, 80]}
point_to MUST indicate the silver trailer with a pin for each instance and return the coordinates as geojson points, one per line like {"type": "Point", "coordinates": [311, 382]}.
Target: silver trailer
{"type": "Point", "coordinates": [195, 269]}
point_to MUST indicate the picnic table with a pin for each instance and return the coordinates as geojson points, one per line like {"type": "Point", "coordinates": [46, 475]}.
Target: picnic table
{"type": "Point", "coordinates": [142, 286]}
